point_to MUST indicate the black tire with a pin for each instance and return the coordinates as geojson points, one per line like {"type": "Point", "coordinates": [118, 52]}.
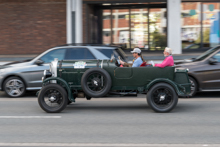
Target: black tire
{"type": "Point", "coordinates": [96, 82]}
{"type": "Point", "coordinates": [51, 92]}
{"type": "Point", "coordinates": [162, 98]}
{"type": "Point", "coordinates": [14, 87]}
{"type": "Point", "coordinates": [194, 87]}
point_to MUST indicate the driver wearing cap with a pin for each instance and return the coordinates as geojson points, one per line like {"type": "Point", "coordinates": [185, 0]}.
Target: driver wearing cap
{"type": "Point", "coordinates": [138, 58]}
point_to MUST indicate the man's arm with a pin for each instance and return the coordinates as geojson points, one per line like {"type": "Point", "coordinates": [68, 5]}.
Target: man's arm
{"type": "Point", "coordinates": [125, 64]}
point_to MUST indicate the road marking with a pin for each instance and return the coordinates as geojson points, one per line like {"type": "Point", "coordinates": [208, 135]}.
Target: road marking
{"type": "Point", "coordinates": [106, 145]}
{"type": "Point", "coordinates": [30, 117]}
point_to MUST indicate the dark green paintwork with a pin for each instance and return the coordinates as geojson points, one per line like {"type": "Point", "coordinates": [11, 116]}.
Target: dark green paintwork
{"type": "Point", "coordinates": [123, 78]}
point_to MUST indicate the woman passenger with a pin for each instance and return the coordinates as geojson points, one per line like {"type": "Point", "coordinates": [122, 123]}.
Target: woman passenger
{"type": "Point", "coordinates": [168, 61]}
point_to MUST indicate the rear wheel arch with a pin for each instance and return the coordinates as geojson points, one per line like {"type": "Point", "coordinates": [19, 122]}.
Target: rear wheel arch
{"type": "Point", "coordinates": [149, 86]}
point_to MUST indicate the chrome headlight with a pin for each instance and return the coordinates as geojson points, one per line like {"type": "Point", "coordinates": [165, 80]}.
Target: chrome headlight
{"type": "Point", "coordinates": [45, 72]}
{"type": "Point", "coordinates": [53, 67]}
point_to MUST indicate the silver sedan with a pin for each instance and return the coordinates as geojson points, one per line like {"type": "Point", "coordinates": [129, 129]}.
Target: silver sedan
{"type": "Point", "coordinates": [17, 77]}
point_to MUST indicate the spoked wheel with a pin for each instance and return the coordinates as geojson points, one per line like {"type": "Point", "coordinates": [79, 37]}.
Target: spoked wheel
{"type": "Point", "coordinates": [162, 97]}
{"type": "Point", "coordinates": [14, 87]}
{"type": "Point", "coordinates": [52, 98]}
{"type": "Point", "coordinates": [96, 82]}
{"type": "Point", "coordinates": [193, 86]}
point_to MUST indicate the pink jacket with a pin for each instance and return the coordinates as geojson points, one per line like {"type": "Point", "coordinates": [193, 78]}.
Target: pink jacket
{"type": "Point", "coordinates": [168, 61]}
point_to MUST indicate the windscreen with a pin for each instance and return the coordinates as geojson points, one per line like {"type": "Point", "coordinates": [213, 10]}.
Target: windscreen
{"type": "Point", "coordinates": [206, 54]}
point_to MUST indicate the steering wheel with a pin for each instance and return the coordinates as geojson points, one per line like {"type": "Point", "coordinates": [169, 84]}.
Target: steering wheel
{"type": "Point", "coordinates": [117, 63]}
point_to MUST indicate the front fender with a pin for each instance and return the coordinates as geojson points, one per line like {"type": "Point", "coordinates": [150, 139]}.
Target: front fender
{"type": "Point", "coordinates": [70, 96]}
{"type": "Point", "coordinates": [178, 88]}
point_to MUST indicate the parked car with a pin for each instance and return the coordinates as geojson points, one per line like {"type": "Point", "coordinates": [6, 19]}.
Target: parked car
{"type": "Point", "coordinates": [17, 77]}
{"type": "Point", "coordinates": [204, 71]}
{"type": "Point", "coordinates": [68, 80]}
{"type": "Point", "coordinates": [196, 46]}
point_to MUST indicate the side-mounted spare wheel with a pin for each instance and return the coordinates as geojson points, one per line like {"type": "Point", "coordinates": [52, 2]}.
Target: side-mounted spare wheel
{"type": "Point", "coordinates": [96, 82]}
{"type": "Point", "coordinates": [162, 97]}
{"type": "Point", "coordinates": [52, 98]}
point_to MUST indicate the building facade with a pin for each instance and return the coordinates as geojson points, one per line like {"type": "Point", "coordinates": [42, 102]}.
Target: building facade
{"type": "Point", "coordinates": [31, 27]}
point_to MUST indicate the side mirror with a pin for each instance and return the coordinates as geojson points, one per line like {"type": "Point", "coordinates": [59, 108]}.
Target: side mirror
{"type": "Point", "coordinates": [193, 59]}
{"type": "Point", "coordinates": [39, 62]}
{"type": "Point", "coordinates": [213, 61]}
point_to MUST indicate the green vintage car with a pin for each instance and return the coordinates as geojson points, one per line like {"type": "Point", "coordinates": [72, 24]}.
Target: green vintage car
{"type": "Point", "coordinates": [68, 80]}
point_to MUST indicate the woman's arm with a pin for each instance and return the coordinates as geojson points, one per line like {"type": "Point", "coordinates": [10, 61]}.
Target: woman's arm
{"type": "Point", "coordinates": [166, 62]}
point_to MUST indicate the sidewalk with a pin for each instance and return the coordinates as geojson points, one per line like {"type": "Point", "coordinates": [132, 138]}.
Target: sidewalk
{"type": "Point", "coordinates": [147, 56]}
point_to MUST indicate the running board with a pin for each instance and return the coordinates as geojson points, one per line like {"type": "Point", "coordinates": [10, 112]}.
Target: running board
{"type": "Point", "coordinates": [124, 93]}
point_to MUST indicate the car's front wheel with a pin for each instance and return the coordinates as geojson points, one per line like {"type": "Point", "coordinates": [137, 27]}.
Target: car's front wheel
{"type": "Point", "coordinates": [194, 87]}
{"type": "Point", "coordinates": [14, 87]}
{"type": "Point", "coordinates": [52, 98]}
{"type": "Point", "coordinates": [162, 97]}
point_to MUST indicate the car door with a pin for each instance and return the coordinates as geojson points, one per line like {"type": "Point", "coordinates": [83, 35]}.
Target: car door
{"type": "Point", "coordinates": [211, 74]}
{"type": "Point", "coordinates": [37, 70]}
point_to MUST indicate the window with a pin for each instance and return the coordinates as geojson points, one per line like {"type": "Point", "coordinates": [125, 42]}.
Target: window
{"type": "Point", "coordinates": [78, 53]}
{"type": "Point", "coordinates": [217, 56]}
{"type": "Point", "coordinates": [134, 26]}
{"type": "Point", "coordinates": [200, 24]}
{"type": "Point", "coordinates": [106, 52]}
{"type": "Point", "coordinates": [57, 53]}
{"type": "Point", "coordinates": [121, 16]}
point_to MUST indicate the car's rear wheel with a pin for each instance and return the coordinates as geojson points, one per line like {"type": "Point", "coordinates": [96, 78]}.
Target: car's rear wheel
{"type": "Point", "coordinates": [162, 97]}
{"type": "Point", "coordinates": [96, 82]}
{"type": "Point", "coordinates": [194, 86]}
{"type": "Point", "coordinates": [14, 87]}
{"type": "Point", "coordinates": [53, 98]}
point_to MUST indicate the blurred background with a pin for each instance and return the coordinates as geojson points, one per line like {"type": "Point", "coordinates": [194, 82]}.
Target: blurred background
{"type": "Point", "coordinates": [31, 27]}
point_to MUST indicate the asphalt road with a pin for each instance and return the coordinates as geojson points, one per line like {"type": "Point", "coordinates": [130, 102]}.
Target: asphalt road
{"type": "Point", "coordinates": [111, 122]}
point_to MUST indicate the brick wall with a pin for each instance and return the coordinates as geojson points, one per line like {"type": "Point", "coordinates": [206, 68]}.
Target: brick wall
{"type": "Point", "coordinates": [88, 14]}
{"type": "Point", "coordinates": [31, 26]}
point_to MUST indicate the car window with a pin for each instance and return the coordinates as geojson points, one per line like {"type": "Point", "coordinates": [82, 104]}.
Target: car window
{"type": "Point", "coordinates": [58, 53]}
{"type": "Point", "coordinates": [78, 53]}
{"type": "Point", "coordinates": [106, 52]}
{"type": "Point", "coordinates": [217, 56]}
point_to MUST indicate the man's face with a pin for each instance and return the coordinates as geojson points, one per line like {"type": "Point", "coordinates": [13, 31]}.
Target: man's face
{"type": "Point", "coordinates": [165, 53]}
{"type": "Point", "coordinates": [135, 55]}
